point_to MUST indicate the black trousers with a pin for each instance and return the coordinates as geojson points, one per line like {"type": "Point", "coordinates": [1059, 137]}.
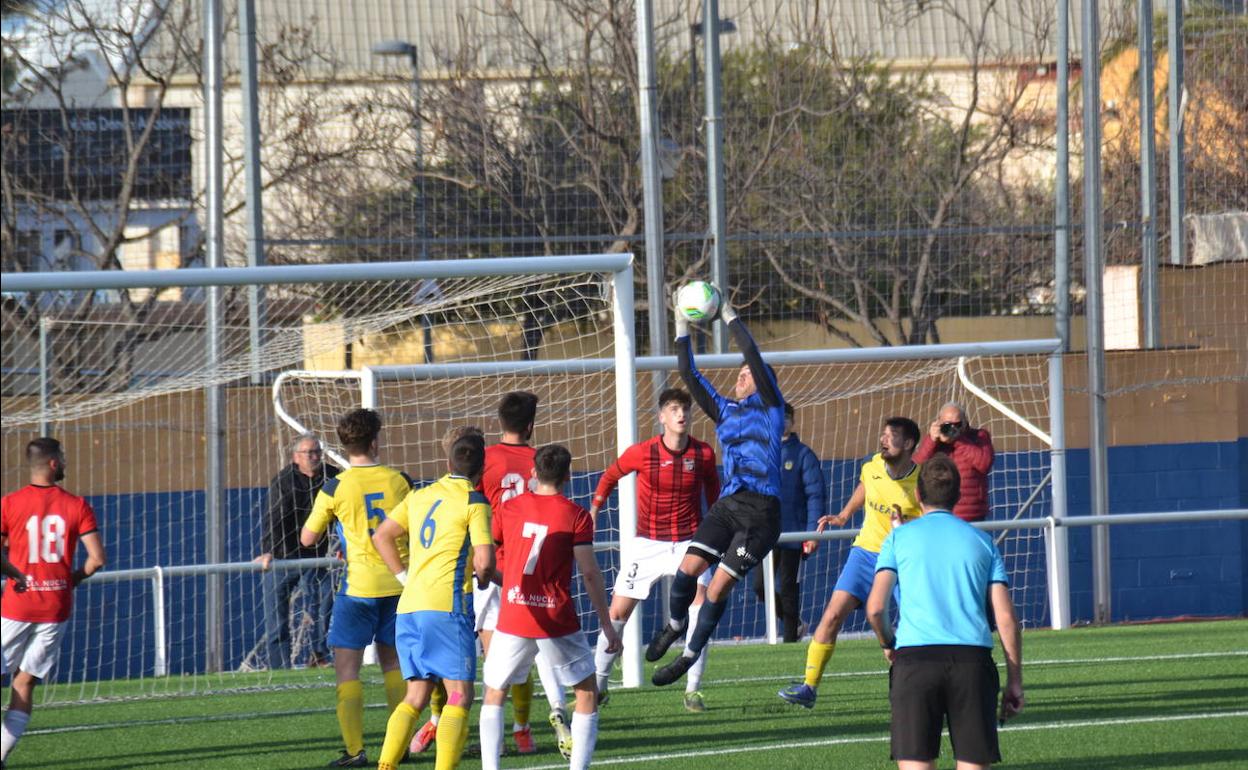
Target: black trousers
{"type": "Point", "coordinates": [788, 592]}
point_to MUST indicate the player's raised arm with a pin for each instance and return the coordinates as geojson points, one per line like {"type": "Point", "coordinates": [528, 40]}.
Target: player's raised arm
{"type": "Point", "coordinates": [764, 380]}
{"type": "Point", "coordinates": [701, 389]}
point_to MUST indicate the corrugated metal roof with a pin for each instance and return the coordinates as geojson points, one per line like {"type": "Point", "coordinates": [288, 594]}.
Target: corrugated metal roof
{"type": "Point", "coordinates": [494, 30]}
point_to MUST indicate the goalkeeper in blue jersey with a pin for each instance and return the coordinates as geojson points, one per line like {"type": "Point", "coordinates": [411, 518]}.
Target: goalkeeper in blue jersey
{"type": "Point", "coordinates": [744, 524]}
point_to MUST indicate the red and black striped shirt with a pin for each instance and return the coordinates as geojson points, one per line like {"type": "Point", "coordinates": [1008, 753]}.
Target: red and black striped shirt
{"type": "Point", "coordinates": [670, 486]}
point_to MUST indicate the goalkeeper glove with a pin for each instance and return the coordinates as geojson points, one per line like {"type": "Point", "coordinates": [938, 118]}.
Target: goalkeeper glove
{"type": "Point", "coordinates": [726, 311]}
{"type": "Point", "coordinates": [682, 323]}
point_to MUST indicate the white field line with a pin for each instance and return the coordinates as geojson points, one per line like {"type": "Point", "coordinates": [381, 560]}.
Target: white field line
{"type": "Point", "coordinates": [737, 680]}
{"type": "Point", "coordinates": [1026, 664]}
{"type": "Point", "coordinates": [788, 745]}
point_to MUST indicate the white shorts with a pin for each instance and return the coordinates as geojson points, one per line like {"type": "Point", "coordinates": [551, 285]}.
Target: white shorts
{"type": "Point", "coordinates": [571, 659]}
{"type": "Point", "coordinates": [648, 561]}
{"type": "Point", "coordinates": [30, 647]}
{"type": "Point", "coordinates": [485, 605]}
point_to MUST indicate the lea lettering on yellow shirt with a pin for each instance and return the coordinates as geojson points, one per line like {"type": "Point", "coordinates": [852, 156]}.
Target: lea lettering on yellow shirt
{"type": "Point", "coordinates": [883, 493]}
{"type": "Point", "coordinates": [443, 521]}
{"type": "Point", "coordinates": [355, 502]}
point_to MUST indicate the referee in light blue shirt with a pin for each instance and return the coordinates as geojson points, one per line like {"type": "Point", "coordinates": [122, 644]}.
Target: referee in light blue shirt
{"type": "Point", "coordinates": [941, 655]}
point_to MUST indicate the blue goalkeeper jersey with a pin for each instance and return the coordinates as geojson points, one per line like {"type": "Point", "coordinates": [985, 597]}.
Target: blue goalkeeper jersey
{"type": "Point", "coordinates": [750, 431]}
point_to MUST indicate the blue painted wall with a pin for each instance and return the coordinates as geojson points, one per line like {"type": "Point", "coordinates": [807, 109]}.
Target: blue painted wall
{"type": "Point", "coordinates": [1158, 570]}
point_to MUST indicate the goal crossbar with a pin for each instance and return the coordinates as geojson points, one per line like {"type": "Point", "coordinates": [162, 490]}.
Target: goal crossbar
{"type": "Point", "coordinates": [90, 280]}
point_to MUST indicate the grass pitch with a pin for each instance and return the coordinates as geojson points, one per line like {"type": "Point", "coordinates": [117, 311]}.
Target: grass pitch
{"type": "Point", "coordinates": [1154, 696]}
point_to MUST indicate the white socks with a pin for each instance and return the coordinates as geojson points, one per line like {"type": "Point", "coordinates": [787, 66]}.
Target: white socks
{"type": "Point", "coordinates": [550, 683]}
{"type": "Point", "coordinates": [603, 660]}
{"type": "Point", "coordinates": [694, 677]}
{"type": "Point", "coordinates": [14, 725]}
{"type": "Point", "coordinates": [584, 736]}
{"type": "Point", "coordinates": [491, 736]}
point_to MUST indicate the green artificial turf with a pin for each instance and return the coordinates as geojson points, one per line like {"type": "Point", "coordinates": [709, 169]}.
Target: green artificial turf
{"type": "Point", "coordinates": [1151, 696]}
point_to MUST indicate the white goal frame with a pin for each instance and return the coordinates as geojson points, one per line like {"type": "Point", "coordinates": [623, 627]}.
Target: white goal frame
{"type": "Point", "coordinates": [625, 370]}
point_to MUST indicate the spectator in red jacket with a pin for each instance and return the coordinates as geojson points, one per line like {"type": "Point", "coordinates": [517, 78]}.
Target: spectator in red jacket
{"type": "Point", "coordinates": [971, 450]}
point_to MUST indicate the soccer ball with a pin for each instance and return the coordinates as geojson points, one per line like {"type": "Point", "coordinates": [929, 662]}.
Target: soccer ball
{"type": "Point", "coordinates": [698, 301]}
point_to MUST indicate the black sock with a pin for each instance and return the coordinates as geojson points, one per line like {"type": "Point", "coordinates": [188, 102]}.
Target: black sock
{"type": "Point", "coordinates": [708, 618]}
{"type": "Point", "coordinates": [684, 588]}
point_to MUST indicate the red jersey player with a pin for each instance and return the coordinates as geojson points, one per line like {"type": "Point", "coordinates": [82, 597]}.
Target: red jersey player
{"type": "Point", "coordinates": [543, 534]}
{"type": "Point", "coordinates": [508, 472]}
{"type": "Point", "coordinates": [675, 473]}
{"type": "Point", "coordinates": [42, 525]}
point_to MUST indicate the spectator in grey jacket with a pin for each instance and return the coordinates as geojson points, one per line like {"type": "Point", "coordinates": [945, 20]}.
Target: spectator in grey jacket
{"type": "Point", "coordinates": [291, 493]}
{"type": "Point", "coordinates": [802, 502]}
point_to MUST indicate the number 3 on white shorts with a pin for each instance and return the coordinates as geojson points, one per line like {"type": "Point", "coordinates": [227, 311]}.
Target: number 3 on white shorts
{"type": "Point", "coordinates": [538, 533]}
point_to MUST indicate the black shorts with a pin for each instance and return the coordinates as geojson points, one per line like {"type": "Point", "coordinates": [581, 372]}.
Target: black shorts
{"type": "Point", "coordinates": [738, 531]}
{"type": "Point", "coordinates": [928, 684]}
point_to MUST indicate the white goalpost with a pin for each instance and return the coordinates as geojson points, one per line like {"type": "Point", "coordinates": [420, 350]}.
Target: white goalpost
{"type": "Point", "coordinates": [875, 381]}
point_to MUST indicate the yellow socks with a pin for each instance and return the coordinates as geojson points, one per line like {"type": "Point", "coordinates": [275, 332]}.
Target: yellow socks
{"type": "Point", "coordinates": [351, 715]}
{"type": "Point", "coordinates": [817, 657]}
{"type": "Point", "coordinates": [399, 731]}
{"type": "Point", "coordinates": [437, 700]}
{"type": "Point", "coordinates": [522, 699]}
{"type": "Point", "coordinates": [396, 688]}
{"type": "Point", "coordinates": [452, 735]}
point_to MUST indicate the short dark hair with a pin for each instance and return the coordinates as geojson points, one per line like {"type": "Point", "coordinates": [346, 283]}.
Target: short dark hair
{"type": "Point", "coordinates": [455, 434]}
{"type": "Point", "coordinates": [468, 455]}
{"type": "Point", "coordinates": [553, 464]}
{"type": "Point", "coordinates": [940, 484]}
{"type": "Point", "coordinates": [770, 370]}
{"type": "Point", "coordinates": [909, 428]}
{"type": "Point", "coordinates": [788, 410]}
{"type": "Point", "coordinates": [675, 394]}
{"type": "Point", "coordinates": [517, 411]}
{"type": "Point", "coordinates": [42, 449]}
{"type": "Point", "coordinates": [358, 429]}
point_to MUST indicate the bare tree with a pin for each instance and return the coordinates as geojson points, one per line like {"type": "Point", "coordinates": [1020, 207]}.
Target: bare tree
{"type": "Point", "coordinates": [137, 67]}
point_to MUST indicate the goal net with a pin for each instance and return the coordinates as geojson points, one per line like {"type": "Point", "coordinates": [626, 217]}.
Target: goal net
{"type": "Point", "coordinates": [840, 408]}
{"type": "Point", "coordinates": [120, 377]}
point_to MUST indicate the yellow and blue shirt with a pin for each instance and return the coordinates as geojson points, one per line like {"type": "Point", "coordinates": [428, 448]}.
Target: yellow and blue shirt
{"type": "Point", "coordinates": [355, 503]}
{"type": "Point", "coordinates": [445, 520]}
{"type": "Point", "coordinates": [883, 493]}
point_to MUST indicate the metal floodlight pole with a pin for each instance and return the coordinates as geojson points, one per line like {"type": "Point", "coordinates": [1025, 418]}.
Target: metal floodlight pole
{"type": "Point", "coordinates": [1061, 243]}
{"type": "Point", "coordinates": [1174, 36]}
{"type": "Point", "coordinates": [412, 54]}
{"type": "Point", "coordinates": [715, 160]}
{"type": "Point", "coordinates": [1148, 182]}
{"type": "Point", "coordinates": [249, 75]}
{"type": "Point", "coordinates": [651, 186]}
{"type": "Point", "coordinates": [214, 178]}
{"type": "Point", "coordinates": [1093, 256]}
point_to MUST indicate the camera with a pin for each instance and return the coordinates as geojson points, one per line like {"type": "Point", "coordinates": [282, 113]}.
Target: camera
{"type": "Point", "coordinates": [950, 429]}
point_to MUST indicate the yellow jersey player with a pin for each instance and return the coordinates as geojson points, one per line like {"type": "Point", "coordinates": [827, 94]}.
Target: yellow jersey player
{"type": "Point", "coordinates": [449, 526]}
{"type": "Point", "coordinates": [885, 492]}
{"type": "Point", "coordinates": [355, 503]}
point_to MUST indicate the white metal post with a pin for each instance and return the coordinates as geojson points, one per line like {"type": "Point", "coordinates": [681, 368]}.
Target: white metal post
{"type": "Point", "coordinates": [769, 594]}
{"type": "Point", "coordinates": [368, 388]}
{"type": "Point", "coordinates": [626, 436]}
{"type": "Point", "coordinates": [1057, 540]}
{"type": "Point", "coordinates": [161, 663]}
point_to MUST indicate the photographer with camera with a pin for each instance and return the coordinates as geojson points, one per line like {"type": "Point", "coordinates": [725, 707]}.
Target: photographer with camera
{"type": "Point", "coordinates": [970, 449]}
